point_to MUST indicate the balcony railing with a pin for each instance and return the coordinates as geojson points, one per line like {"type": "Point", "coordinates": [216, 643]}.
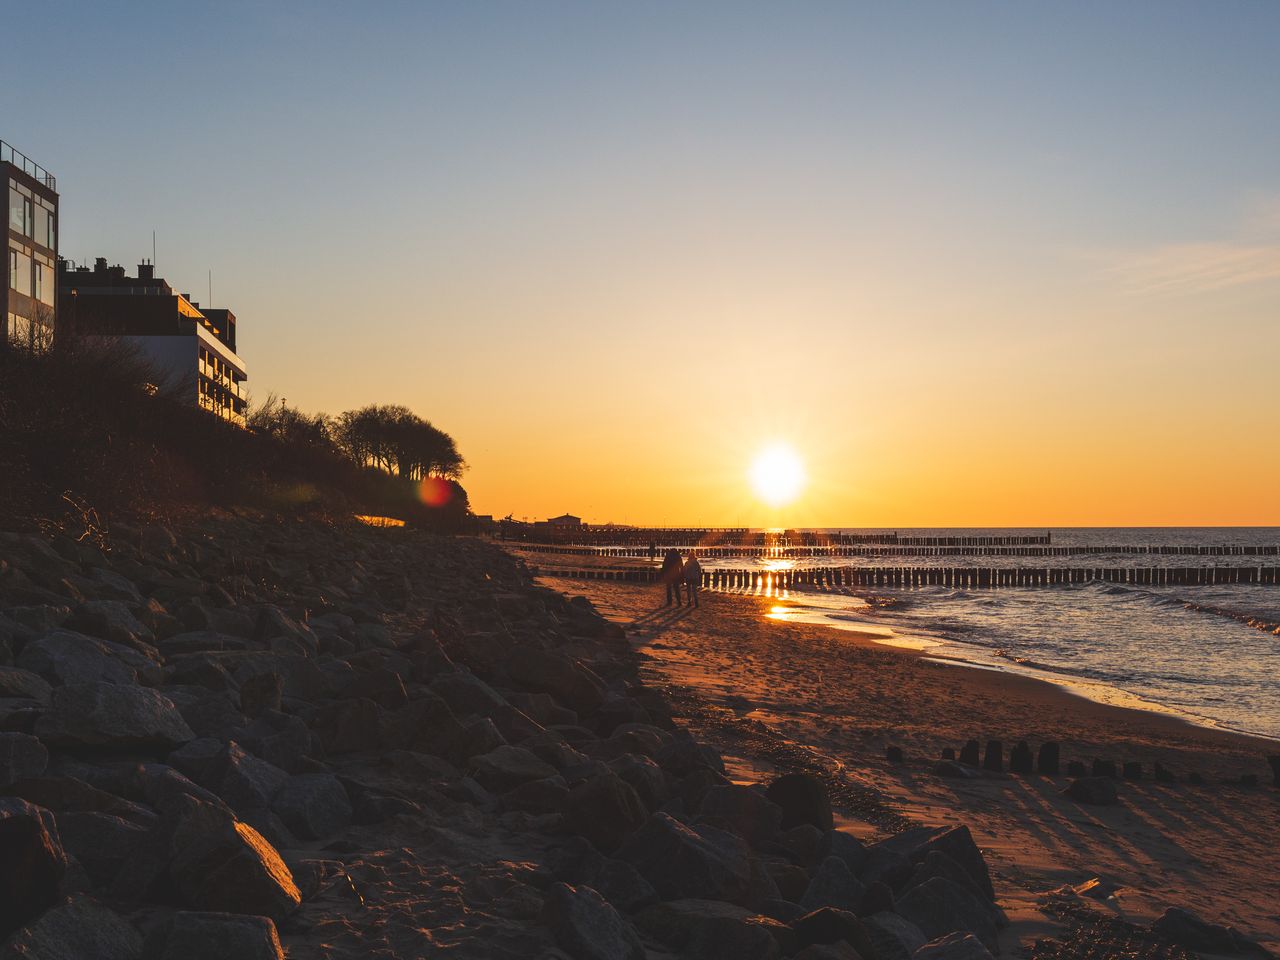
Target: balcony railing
{"type": "Point", "coordinates": [28, 166]}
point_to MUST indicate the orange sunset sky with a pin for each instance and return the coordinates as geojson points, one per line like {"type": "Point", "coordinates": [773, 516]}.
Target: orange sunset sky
{"type": "Point", "coordinates": [978, 264]}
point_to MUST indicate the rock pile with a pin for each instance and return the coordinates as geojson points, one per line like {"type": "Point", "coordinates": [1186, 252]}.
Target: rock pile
{"type": "Point", "coordinates": [253, 737]}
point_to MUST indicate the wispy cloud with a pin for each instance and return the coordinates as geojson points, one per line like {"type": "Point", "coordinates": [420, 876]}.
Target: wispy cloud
{"type": "Point", "coordinates": [1198, 267]}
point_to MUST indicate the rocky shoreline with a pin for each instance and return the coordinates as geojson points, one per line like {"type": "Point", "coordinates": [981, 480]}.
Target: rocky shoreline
{"type": "Point", "coordinates": [256, 738]}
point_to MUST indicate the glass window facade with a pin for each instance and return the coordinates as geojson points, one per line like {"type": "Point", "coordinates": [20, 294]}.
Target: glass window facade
{"type": "Point", "coordinates": [16, 209]}
{"type": "Point", "coordinates": [43, 283]}
{"type": "Point", "coordinates": [19, 271]}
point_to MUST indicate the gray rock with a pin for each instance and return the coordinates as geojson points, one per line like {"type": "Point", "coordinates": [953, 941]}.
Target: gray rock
{"type": "Point", "coordinates": [32, 862]}
{"type": "Point", "coordinates": [279, 739]}
{"type": "Point", "coordinates": [507, 766]}
{"type": "Point", "coordinates": [102, 842]}
{"type": "Point", "coordinates": [683, 862]}
{"type": "Point", "coordinates": [893, 937]}
{"type": "Point", "coordinates": [76, 929]}
{"type": "Point", "coordinates": [194, 759]}
{"type": "Point", "coordinates": [351, 726]}
{"type": "Point", "coordinates": [545, 671]}
{"type": "Point", "coordinates": [313, 805]}
{"type": "Point", "coordinates": [1186, 929]}
{"type": "Point", "coordinates": [832, 925]}
{"type": "Point", "coordinates": [220, 864]}
{"type": "Point", "coordinates": [833, 885]}
{"type": "Point", "coordinates": [712, 929]}
{"type": "Point", "coordinates": [939, 907]}
{"type": "Point", "coordinates": [65, 657]}
{"type": "Point", "coordinates": [110, 620]}
{"type": "Point", "coordinates": [466, 693]}
{"type": "Point", "coordinates": [1100, 791]}
{"type": "Point", "coordinates": [745, 811]}
{"type": "Point", "coordinates": [803, 799]}
{"type": "Point", "coordinates": [587, 927]}
{"type": "Point", "coordinates": [21, 757]}
{"type": "Point", "coordinates": [244, 782]}
{"type": "Point", "coordinates": [19, 684]}
{"type": "Point", "coordinates": [214, 936]}
{"type": "Point", "coordinates": [538, 796]}
{"type": "Point", "coordinates": [112, 716]}
{"type": "Point", "coordinates": [605, 810]}
{"type": "Point", "coordinates": [644, 776]}
{"type": "Point", "coordinates": [955, 946]}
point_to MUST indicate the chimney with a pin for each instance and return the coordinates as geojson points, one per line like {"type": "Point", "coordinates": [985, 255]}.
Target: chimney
{"type": "Point", "coordinates": [146, 271]}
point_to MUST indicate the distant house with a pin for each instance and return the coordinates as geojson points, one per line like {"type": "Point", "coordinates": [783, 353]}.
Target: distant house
{"type": "Point", "coordinates": [565, 520]}
{"type": "Point", "coordinates": [192, 348]}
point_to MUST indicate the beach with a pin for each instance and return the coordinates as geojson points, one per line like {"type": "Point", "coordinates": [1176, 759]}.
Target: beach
{"type": "Point", "coordinates": [761, 689]}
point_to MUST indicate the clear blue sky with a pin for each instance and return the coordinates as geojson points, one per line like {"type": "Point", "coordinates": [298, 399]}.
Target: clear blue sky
{"type": "Point", "coordinates": [782, 206]}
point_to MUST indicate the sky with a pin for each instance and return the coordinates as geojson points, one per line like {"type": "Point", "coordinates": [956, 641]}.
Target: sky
{"type": "Point", "coordinates": [993, 264]}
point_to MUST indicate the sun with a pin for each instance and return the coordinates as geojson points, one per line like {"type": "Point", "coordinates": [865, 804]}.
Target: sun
{"type": "Point", "coordinates": [777, 475]}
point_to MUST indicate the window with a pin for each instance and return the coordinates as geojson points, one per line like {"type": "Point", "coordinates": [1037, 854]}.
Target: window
{"type": "Point", "coordinates": [15, 210]}
{"type": "Point", "coordinates": [28, 217]}
{"type": "Point", "coordinates": [43, 278]}
{"type": "Point", "coordinates": [20, 272]}
{"type": "Point", "coordinates": [50, 229]}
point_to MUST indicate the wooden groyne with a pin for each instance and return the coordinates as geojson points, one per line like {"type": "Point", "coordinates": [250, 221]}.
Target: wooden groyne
{"type": "Point", "coordinates": [968, 578]}
{"type": "Point", "coordinates": [642, 537]}
{"type": "Point", "coordinates": [1056, 550]}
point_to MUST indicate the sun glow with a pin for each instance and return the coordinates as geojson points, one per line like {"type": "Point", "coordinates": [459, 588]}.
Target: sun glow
{"type": "Point", "coordinates": [777, 475]}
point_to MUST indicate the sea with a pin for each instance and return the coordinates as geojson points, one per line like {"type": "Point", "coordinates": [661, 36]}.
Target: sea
{"type": "Point", "coordinates": [1209, 654]}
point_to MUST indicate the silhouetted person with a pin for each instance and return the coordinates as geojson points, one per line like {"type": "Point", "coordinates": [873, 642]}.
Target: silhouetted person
{"type": "Point", "coordinates": [653, 551]}
{"type": "Point", "coordinates": [671, 573]}
{"type": "Point", "coordinates": [692, 577]}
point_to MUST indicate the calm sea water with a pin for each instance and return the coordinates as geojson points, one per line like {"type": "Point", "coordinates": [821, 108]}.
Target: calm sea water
{"type": "Point", "coordinates": [1210, 654]}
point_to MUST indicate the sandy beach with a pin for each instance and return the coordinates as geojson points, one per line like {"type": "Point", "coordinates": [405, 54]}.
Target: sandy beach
{"type": "Point", "coordinates": [772, 694]}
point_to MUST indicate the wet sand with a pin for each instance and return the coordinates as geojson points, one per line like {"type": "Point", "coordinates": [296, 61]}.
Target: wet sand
{"type": "Point", "coordinates": [842, 698]}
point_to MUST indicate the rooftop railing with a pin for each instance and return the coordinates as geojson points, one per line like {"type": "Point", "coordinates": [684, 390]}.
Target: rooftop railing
{"type": "Point", "coordinates": [28, 166]}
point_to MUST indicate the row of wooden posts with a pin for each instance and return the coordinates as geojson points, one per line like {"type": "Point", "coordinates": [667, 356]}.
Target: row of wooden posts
{"type": "Point", "coordinates": [820, 578]}
{"type": "Point", "coordinates": [1079, 550]}
{"type": "Point", "coordinates": [642, 537]}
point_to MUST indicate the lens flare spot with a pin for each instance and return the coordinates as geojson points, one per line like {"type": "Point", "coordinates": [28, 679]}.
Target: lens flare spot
{"type": "Point", "coordinates": [435, 491]}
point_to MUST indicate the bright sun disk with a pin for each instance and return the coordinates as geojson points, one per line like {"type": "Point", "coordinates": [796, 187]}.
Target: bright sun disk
{"type": "Point", "coordinates": [777, 475]}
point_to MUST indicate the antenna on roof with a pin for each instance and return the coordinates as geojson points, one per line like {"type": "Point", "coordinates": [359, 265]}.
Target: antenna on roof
{"type": "Point", "coordinates": [153, 247]}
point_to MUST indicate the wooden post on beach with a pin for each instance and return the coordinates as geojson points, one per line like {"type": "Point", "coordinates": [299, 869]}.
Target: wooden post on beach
{"type": "Point", "coordinates": [1020, 759]}
{"type": "Point", "coordinates": [1047, 759]}
{"type": "Point", "coordinates": [994, 757]}
{"type": "Point", "coordinates": [969, 753]}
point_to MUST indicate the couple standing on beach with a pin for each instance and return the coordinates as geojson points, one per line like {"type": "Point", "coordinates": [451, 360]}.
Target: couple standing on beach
{"type": "Point", "coordinates": [676, 571]}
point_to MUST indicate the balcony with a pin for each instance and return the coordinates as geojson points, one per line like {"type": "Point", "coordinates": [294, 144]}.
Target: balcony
{"type": "Point", "coordinates": [27, 165]}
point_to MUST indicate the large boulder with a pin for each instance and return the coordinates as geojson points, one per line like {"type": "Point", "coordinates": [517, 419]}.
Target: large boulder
{"type": "Point", "coordinates": [604, 809]}
{"type": "Point", "coordinates": [19, 684]}
{"type": "Point", "coordinates": [111, 620]}
{"type": "Point", "coordinates": [954, 946]}
{"type": "Point", "coordinates": [833, 885]}
{"type": "Point", "coordinates": [112, 717]}
{"type": "Point", "coordinates": [76, 929]}
{"type": "Point", "coordinates": [832, 925]}
{"type": "Point", "coordinates": [745, 811]}
{"type": "Point", "coordinates": [587, 927]}
{"type": "Point", "coordinates": [244, 782]}
{"type": "Point", "coordinates": [940, 906]}
{"type": "Point", "coordinates": [21, 756]}
{"type": "Point", "coordinates": [1187, 930]}
{"type": "Point", "coordinates": [102, 842]}
{"type": "Point", "coordinates": [32, 862]}
{"type": "Point", "coordinates": [65, 656]}
{"type": "Point", "coordinates": [892, 937]}
{"type": "Point", "coordinates": [803, 799]}
{"type": "Point", "coordinates": [681, 862]}
{"type": "Point", "coordinates": [214, 936]}
{"type": "Point", "coordinates": [313, 805]}
{"type": "Point", "coordinates": [713, 929]}
{"type": "Point", "coordinates": [545, 671]}
{"type": "Point", "coordinates": [506, 767]}
{"type": "Point", "coordinates": [202, 857]}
